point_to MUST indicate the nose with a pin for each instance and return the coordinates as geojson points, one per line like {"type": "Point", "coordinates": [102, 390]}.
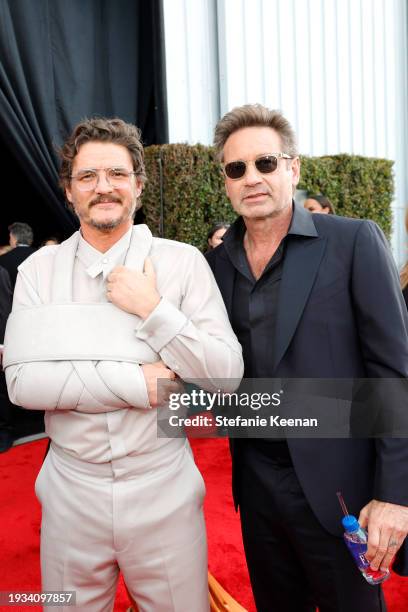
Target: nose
{"type": "Point", "coordinates": [252, 176]}
{"type": "Point", "coordinates": [103, 185]}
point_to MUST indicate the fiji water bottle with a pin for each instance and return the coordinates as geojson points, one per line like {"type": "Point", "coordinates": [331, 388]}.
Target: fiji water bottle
{"type": "Point", "coordinates": [355, 538]}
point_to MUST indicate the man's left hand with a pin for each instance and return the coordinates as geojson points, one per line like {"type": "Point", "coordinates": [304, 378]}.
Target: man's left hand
{"type": "Point", "coordinates": [133, 291]}
{"type": "Point", "coordinates": [387, 526]}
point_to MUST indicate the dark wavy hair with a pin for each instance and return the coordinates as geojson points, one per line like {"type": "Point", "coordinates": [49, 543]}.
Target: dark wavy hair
{"type": "Point", "coordinates": [101, 129]}
{"type": "Point", "coordinates": [216, 227]}
{"type": "Point", "coordinates": [323, 201]}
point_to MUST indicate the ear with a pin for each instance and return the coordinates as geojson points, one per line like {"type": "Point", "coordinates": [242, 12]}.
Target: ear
{"type": "Point", "coordinates": [138, 187]}
{"type": "Point", "coordinates": [226, 188]}
{"type": "Point", "coordinates": [68, 194]}
{"type": "Point", "coordinates": [295, 167]}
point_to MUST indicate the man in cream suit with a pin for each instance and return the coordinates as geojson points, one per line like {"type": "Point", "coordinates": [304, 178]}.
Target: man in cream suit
{"type": "Point", "coordinates": [96, 322]}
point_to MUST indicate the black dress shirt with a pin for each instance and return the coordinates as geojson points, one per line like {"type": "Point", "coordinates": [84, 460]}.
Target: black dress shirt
{"type": "Point", "coordinates": [255, 302]}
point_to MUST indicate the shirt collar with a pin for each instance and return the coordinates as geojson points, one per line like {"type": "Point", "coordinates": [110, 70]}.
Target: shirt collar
{"type": "Point", "coordinates": [301, 225]}
{"type": "Point", "coordinates": [96, 262]}
{"type": "Point", "coordinates": [302, 222]}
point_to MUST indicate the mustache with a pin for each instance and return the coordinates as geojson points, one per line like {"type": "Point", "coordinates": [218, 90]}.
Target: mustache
{"type": "Point", "coordinates": [102, 199]}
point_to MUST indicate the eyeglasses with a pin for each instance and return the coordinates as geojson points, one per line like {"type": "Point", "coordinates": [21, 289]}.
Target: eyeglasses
{"type": "Point", "coordinates": [87, 180]}
{"type": "Point", "coordinates": [265, 164]}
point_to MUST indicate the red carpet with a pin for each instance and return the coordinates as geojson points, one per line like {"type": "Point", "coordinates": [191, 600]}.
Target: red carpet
{"type": "Point", "coordinates": [20, 522]}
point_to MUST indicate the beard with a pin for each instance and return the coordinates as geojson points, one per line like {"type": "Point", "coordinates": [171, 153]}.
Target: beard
{"type": "Point", "coordinates": [128, 211]}
{"type": "Point", "coordinates": [106, 226]}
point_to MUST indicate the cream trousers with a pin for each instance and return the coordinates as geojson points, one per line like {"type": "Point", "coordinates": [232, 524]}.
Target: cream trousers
{"type": "Point", "coordinates": [141, 515]}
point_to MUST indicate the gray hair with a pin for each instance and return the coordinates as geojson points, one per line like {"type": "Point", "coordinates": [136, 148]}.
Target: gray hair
{"type": "Point", "coordinates": [22, 232]}
{"type": "Point", "coordinates": [255, 115]}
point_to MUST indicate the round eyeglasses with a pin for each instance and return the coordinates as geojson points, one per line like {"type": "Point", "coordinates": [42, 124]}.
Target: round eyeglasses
{"type": "Point", "coordinates": [87, 180]}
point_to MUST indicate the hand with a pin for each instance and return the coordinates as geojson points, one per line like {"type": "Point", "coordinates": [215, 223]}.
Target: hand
{"type": "Point", "coordinates": [159, 371]}
{"type": "Point", "coordinates": [387, 526]}
{"type": "Point", "coordinates": [133, 291]}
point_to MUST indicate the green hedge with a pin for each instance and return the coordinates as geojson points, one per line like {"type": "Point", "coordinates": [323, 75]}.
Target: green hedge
{"type": "Point", "coordinates": [194, 197]}
{"type": "Point", "coordinates": [361, 187]}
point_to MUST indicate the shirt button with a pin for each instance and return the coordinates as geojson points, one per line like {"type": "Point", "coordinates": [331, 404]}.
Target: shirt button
{"type": "Point", "coordinates": [105, 261]}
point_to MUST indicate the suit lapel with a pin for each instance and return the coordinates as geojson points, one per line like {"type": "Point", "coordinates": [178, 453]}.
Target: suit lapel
{"type": "Point", "coordinates": [302, 260]}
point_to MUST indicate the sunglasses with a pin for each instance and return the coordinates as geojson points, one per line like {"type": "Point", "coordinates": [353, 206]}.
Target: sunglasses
{"type": "Point", "coordinates": [265, 164]}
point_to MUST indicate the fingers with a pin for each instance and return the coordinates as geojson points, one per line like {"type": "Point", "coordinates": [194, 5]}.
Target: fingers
{"type": "Point", "coordinates": [160, 391]}
{"type": "Point", "coordinates": [392, 549]}
{"type": "Point", "coordinates": [387, 547]}
{"type": "Point", "coordinates": [158, 370]}
{"type": "Point", "coordinates": [165, 388]}
{"type": "Point", "coordinates": [387, 526]}
{"type": "Point", "coordinates": [377, 546]}
{"type": "Point", "coordinates": [115, 273]}
{"type": "Point", "coordinates": [363, 518]}
{"type": "Point", "coordinates": [161, 381]}
{"type": "Point", "coordinates": [373, 542]}
{"type": "Point", "coordinates": [164, 370]}
{"type": "Point", "coordinates": [148, 270]}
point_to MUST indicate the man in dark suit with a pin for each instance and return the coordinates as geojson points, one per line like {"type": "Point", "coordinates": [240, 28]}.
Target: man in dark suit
{"type": "Point", "coordinates": [309, 296]}
{"type": "Point", "coordinates": [6, 407]}
{"type": "Point", "coordinates": [13, 420]}
{"type": "Point", "coordinates": [21, 239]}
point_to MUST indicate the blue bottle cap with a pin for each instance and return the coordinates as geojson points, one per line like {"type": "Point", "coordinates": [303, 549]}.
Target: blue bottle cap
{"type": "Point", "coordinates": [350, 523]}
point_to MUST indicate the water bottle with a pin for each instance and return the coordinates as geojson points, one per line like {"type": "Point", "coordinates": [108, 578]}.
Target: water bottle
{"type": "Point", "coordinates": [355, 538]}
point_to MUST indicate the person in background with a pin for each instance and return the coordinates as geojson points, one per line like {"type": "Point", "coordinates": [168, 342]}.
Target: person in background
{"type": "Point", "coordinates": [6, 408]}
{"type": "Point", "coordinates": [49, 241]}
{"type": "Point", "coordinates": [404, 271]}
{"type": "Point", "coordinates": [4, 248]}
{"type": "Point", "coordinates": [21, 239]}
{"type": "Point", "coordinates": [318, 203]}
{"type": "Point", "coordinates": [309, 296]}
{"type": "Point", "coordinates": [216, 234]}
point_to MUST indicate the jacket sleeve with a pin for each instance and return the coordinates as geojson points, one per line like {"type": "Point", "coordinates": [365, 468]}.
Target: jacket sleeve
{"type": "Point", "coordinates": [380, 310]}
{"type": "Point", "coordinates": [383, 333]}
{"type": "Point", "coordinates": [196, 340]}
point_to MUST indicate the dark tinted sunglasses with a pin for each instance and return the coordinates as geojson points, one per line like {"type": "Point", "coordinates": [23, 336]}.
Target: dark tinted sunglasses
{"type": "Point", "coordinates": [265, 164]}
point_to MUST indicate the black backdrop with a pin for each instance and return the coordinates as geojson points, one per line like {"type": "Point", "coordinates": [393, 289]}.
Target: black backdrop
{"type": "Point", "coordinates": [60, 61]}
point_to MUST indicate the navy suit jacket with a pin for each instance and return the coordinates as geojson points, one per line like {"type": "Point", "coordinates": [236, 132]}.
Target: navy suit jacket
{"type": "Point", "coordinates": [341, 314]}
{"type": "Point", "coordinates": [6, 297]}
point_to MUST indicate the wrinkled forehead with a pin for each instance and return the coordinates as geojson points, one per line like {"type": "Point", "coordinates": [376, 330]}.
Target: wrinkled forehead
{"type": "Point", "coordinates": [102, 155]}
{"type": "Point", "coordinates": [251, 142]}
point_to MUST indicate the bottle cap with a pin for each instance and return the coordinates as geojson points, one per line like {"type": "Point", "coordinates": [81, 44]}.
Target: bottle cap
{"type": "Point", "coordinates": [350, 523]}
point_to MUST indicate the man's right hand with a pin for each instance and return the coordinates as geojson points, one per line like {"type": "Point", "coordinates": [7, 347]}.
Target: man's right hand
{"type": "Point", "coordinates": [159, 371]}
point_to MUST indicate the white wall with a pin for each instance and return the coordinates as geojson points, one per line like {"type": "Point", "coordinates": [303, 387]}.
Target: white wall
{"type": "Point", "coordinates": [336, 68]}
{"type": "Point", "coordinates": [190, 31]}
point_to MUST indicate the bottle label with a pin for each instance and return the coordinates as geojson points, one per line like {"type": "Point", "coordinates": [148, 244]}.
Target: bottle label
{"type": "Point", "coordinates": [358, 551]}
